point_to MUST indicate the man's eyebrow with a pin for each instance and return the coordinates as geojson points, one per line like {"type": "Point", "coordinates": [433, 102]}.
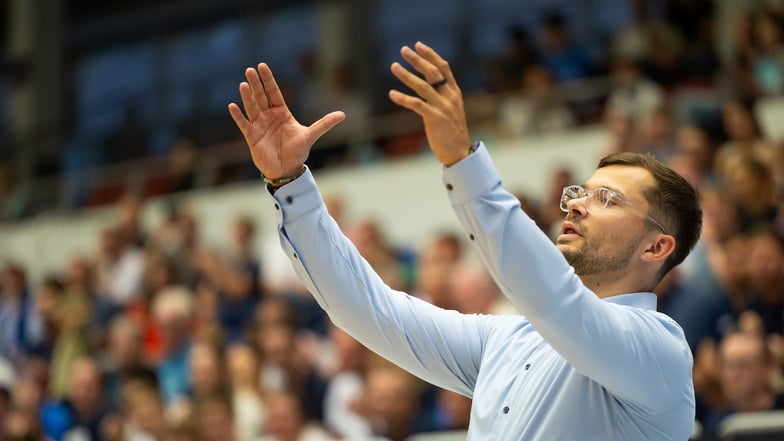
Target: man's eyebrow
{"type": "Point", "coordinates": [615, 190]}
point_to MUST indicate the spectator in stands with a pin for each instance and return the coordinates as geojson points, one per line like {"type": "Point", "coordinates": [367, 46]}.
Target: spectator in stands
{"type": "Point", "coordinates": [178, 238]}
{"type": "Point", "coordinates": [563, 57]}
{"type": "Point", "coordinates": [236, 277]}
{"type": "Point", "coordinates": [748, 184]}
{"type": "Point", "coordinates": [656, 134]}
{"type": "Point", "coordinates": [206, 326]}
{"type": "Point", "coordinates": [21, 327]}
{"type": "Point", "coordinates": [206, 370]}
{"type": "Point", "coordinates": [371, 241]}
{"type": "Point", "coordinates": [745, 372]}
{"type": "Point", "coordinates": [696, 151]}
{"type": "Point", "coordinates": [159, 273]}
{"type": "Point", "coordinates": [285, 368]}
{"type": "Point", "coordinates": [26, 394]}
{"type": "Point", "coordinates": [663, 48]}
{"type": "Point", "coordinates": [473, 291]}
{"type": "Point", "coordinates": [129, 221]}
{"type": "Point", "coordinates": [692, 305]}
{"type": "Point", "coordinates": [275, 310]}
{"type": "Point", "coordinates": [621, 132]}
{"type": "Point", "coordinates": [730, 264]}
{"type": "Point", "coordinates": [21, 425]}
{"type": "Point", "coordinates": [48, 297]}
{"type": "Point", "coordinates": [766, 273]}
{"type": "Point", "coordinates": [73, 341]}
{"type": "Point", "coordinates": [119, 266]}
{"type": "Point", "coordinates": [632, 95]}
{"type": "Point", "coordinates": [214, 417]}
{"type": "Point", "coordinates": [391, 402]}
{"type": "Point", "coordinates": [143, 412]}
{"type": "Point", "coordinates": [345, 387]}
{"type": "Point", "coordinates": [762, 53]}
{"type": "Point", "coordinates": [744, 138]}
{"type": "Point", "coordinates": [437, 259]}
{"type": "Point", "coordinates": [242, 366]}
{"type": "Point", "coordinates": [124, 358]}
{"type": "Point", "coordinates": [286, 420]}
{"type": "Point", "coordinates": [80, 282]}
{"type": "Point", "coordinates": [83, 410]}
{"type": "Point", "coordinates": [537, 108]}
{"type": "Point", "coordinates": [503, 73]}
{"type": "Point", "coordinates": [173, 312]}
{"type": "Point", "coordinates": [453, 411]}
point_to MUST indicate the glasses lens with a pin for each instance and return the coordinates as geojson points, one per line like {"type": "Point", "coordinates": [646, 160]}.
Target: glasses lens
{"type": "Point", "coordinates": [569, 193]}
{"type": "Point", "coordinates": [600, 198]}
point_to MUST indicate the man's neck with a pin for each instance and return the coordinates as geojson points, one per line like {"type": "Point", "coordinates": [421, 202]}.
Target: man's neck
{"type": "Point", "coordinates": [616, 283]}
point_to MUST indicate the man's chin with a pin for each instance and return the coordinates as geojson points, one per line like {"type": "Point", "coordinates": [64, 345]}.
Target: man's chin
{"type": "Point", "coordinates": [565, 248]}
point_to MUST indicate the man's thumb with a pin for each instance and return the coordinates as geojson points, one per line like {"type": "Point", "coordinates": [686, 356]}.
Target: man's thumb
{"type": "Point", "coordinates": [325, 124]}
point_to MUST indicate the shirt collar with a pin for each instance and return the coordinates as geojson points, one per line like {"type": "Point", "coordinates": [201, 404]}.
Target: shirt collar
{"type": "Point", "coordinates": [644, 300]}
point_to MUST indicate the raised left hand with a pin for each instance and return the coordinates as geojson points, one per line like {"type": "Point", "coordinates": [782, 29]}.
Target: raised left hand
{"type": "Point", "coordinates": [439, 103]}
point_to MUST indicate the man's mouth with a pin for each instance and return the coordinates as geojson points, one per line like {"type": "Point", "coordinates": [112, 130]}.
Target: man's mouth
{"type": "Point", "coordinates": [570, 230]}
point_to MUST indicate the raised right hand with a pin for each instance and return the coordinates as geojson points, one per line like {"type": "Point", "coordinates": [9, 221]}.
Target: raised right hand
{"type": "Point", "coordinates": [278, 143]}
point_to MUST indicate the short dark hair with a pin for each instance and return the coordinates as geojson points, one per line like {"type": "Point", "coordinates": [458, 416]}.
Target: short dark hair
{"type": "Point", "coordinates": [673, 201]}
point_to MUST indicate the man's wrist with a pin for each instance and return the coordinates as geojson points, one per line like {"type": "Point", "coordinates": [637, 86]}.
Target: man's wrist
{"type": "Point", "coordinates": [471, 149]}
{"type": "Point", "coordinates": [283, 180]}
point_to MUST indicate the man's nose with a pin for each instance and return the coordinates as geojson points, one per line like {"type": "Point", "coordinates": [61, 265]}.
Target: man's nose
{"type": "Point", "coordinates": [577, 207]}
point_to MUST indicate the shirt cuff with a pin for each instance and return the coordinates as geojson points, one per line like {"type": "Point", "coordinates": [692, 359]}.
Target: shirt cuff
{"type": "Point", "coordinates": [471, 177]}
{"type": "Point", "coordinates": [296, 198]}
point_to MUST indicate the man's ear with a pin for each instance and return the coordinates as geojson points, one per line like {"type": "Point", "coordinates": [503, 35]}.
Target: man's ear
{"type": "Point", "coordinates": [659, 248]}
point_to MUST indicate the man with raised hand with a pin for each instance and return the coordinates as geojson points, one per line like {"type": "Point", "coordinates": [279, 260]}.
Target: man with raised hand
{"type": "Point", "coordinates": [588, 358]}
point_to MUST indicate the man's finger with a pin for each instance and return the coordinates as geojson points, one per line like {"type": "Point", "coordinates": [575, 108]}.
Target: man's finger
{"type": "Point", "coordinates": [417, 84]}
{"type": "Point", "coordinates": [414, 104]}
{"type": "Point", "coordinates": [239, 119]}
{"type": "Point", "coordinates": [257, 88]}
{"type": "Point", "coordinates": [273, 93]}
{"type": "Point", "coordinates": [429, 54]}
{"type": "Point", "coordinates": [248, 102]}
{"type": "Point", "coordinates": [422, 65]}
{"type": "Point", "coordinates": [324, 125]}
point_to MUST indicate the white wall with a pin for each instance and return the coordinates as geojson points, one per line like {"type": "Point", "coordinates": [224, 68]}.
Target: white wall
{"type": "Point", "coordinates": [406, 195]}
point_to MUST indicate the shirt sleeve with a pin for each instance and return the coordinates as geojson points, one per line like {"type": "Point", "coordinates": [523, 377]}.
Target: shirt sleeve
{"type": "Point", "coordinates": [440, 346]}
{"type": "Point", "coordinates": [638, 355]}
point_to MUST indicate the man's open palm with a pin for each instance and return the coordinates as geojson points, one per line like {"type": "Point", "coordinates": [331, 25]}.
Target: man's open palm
{"type": "Point", "coordinates": [278, 143]}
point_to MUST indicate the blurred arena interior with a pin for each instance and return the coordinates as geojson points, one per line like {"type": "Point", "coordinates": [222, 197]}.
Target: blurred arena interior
{"type": "Point", "coordinates": [142, 292]}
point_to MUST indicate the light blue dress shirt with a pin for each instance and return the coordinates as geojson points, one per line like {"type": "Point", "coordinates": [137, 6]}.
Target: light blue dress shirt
{"type": "Point", "coordinates": [571, 367]}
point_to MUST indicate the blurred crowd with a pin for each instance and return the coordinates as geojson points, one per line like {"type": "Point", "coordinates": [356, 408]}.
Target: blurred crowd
{"type": "Point", "coordinates": [156, 336]}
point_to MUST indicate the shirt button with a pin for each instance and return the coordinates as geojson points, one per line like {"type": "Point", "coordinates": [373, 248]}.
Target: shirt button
{"type": "Point", "coordinates": [471, 236]}
{"type": "Point", "coordinates": [277, 207]}
{"type": "Point", "coordinates": [449, 187]}
{"type": "Point", "coordinates": [295, 256]}
{"type": "Point", "coordinates": [506, 409]}
{"type": "Point", "coordinates": [528, 366]}
{"type": "Point", "coordinates": [289, 199]}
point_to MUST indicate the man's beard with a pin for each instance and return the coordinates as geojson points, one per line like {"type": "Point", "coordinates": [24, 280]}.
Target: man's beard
{"type": "Point", "coordinates": [589, 260]}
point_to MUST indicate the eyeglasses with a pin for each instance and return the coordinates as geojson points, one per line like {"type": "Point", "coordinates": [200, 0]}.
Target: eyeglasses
{"type": "Point", "coordinates": [598, 199]}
